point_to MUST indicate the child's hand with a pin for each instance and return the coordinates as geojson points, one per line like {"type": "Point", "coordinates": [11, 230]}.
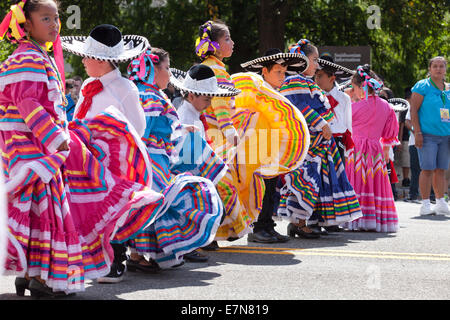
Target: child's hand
{"type": "Point", "coordinates": [63, 146]}
{"type": "Point", "coordinates": [326, 131]}
{"type": "Point", "coordinates": [191, 128]}
{"type": "Point", "coordinates": [386, 154]}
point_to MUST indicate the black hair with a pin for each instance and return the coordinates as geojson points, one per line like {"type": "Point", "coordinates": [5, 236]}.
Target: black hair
{"type": "Point", "coordinates": [329, 70]}
{"type": "Point", "coordinates": [307, 48]}
{"type": "Point", "coordinates": [388, 92]}
{"type": "Point", "coordinates": [218, 30]}
{"type": "Point", "coordinates": [408, 93]}
{"type": "Point", "coordinates": [270, 64]}
{"type": "Point", "coordinates": [33, 5]}
{"type": "Point", "coordinates": [161, 53]}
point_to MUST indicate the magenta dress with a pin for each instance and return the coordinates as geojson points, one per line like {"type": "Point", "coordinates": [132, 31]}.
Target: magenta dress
{"type": "Point", "coordinates": [64, 207]}
{"type": "Point", "coordinates": [374, 125]}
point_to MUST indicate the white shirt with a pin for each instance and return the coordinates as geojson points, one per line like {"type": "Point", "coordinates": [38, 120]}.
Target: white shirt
{"type": "Point", "coordinates": [190, 116]}
{"type": "Point", "coordinates": [119, 92]}
{"type": "Point", "coordinates": [342, 112]}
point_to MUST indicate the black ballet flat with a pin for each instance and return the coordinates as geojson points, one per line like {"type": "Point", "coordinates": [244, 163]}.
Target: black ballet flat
{"type": "Point", "coordinates": [21, 284]}
{"type": "Point", "coordinates": [135, 266]}
{"type": "Point", "coordinates": [195, 256]}
{"type": "Point", "coordinates": [213, 246]}
{"type": "Point", "coordinates": [293, 230]}
{"type": "Point", "coordinates": [178, 265]}
{"type": "Point", "coordinates": [40, 290]}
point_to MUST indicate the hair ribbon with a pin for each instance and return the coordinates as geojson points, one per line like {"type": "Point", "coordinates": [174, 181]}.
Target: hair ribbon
{"type": "Point", "coordinates": [12, 21]}
{"type": "Point", "coordinates": [297, 48]}
{"type": "Point", "coordinates": [369, 81]}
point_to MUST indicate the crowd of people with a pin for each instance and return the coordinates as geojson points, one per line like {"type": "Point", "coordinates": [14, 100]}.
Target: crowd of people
{"type": "Point", "coordinates": [106, 176]}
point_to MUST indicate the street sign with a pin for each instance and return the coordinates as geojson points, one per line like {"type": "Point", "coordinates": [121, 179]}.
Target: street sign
{"type": "Point", "coordinates": [347, 56]}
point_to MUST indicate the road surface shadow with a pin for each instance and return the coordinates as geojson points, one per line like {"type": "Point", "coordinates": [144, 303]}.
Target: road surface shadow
{"type": "Point", "coordinates": [432, 218]}
{"type": "Point", "coordinates": [182, 276]}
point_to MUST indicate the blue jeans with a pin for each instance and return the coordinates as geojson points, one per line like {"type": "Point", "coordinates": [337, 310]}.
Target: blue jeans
{"type": "Point", "coordinates": [434, 153]}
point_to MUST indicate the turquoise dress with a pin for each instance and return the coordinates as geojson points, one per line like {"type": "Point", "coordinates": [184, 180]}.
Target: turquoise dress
{"type": "Point", "coordinates": [185, 170]}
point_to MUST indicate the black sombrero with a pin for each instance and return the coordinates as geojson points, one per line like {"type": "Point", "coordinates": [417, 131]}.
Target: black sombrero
{"type": "Point", "coordinates": [326, 63]}
{"type": "Point", "coordinates": [399, 104]}
{"type": "Point", "coordinates": [201, 80]}
{"type": "Point", "coordinates": [106, 43]}
{"type": "Point", "coordinates": [295, 62]}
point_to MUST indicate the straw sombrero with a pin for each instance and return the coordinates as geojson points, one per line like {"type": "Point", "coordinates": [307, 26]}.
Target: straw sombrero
{"type": "Point", "coordinates": [106, 43]}
{"type": "Point", "coordinates": [326, 63]}
{"type": "Point", "coordinates": [399, 104]}
{"type": "Point", "coordinates": [200, 80]}
{"type": "Point", "coordinates": [295, 62]}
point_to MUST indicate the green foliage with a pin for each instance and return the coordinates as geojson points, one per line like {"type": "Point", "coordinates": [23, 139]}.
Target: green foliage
{"type": "Point", "coordinates": [412, 31]}
{"type": "Point", "coordinates": [5, 50]}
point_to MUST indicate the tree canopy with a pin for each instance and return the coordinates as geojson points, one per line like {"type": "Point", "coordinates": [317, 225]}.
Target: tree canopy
{"type": "Point", "coordinates": [410, 31]}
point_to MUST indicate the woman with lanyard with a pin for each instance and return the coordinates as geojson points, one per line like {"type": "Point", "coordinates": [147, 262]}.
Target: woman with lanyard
{"type": "Point", "coordinates": [431, 122]}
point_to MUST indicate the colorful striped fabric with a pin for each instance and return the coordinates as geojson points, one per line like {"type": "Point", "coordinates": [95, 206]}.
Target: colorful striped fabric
{"type": "Point", "coordinates": [65, 206]}
{"type": "Point", "coordinates": [28, 63]}
{"type": "Point", "coordinates": [276, 138]}
{"type": "Point", "coordinates": [219, 114]}
{"type": "Point", "coordinates": [221, 117]}
{"type": "Point", "coordinates": [374, 124]}
{"type": "Point", "coordinates": [192, 208]}
{"type": "Point", "coordinates": [319, 190]}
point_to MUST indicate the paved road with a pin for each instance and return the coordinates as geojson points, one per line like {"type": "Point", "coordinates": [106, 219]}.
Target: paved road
{"type": "Point", "coordinates": [411, 264]}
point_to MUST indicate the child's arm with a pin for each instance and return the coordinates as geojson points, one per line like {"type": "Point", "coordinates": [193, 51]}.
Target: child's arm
{"type": "Point", "coordinates": [25, 96]}
{"type": "Point", "coordinates": [221, 108]}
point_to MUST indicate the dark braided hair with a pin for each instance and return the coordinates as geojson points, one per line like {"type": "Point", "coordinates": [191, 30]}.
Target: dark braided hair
{"type": "Point", "coordinates": [33, 5]}
{"type": "Point", "coordinates": [162, 55]}
{"type": "Point", "coordinates": [303, 46]}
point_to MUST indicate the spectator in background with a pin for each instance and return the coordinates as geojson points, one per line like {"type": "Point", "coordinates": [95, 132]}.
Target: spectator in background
{"type": "Point", "coordinates": [386, 94]}
{"type": "Point", "coordinates": [76, 87]}
{"type": "Point", "coordinates": [430, 116]}
{"type": "Point", "coordinates": [401, 151]}
{"type": "Point", "coordinates": [447, 178]}
{"type": "Point", "coordinates": [413, 156]}
{"type": "Point", "coordinates": [73, 87]}
{"type": "Point", "coordinates": [70, 108]}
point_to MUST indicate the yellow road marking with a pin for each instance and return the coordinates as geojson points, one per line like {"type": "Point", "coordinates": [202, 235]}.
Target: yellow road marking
{"type": "Point", "coordinates": [343, 251]}
{"type": "Point", "coordinates": [338, 253]}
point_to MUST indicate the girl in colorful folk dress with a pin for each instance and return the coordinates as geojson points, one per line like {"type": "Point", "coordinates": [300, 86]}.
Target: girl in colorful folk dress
{"type": "Point", "coordinates": [184, 173]}
{"type": "Point", "coordinates": [375, 130]}
{"type": "Point", "coordinates": [212, 46]}
{"type": "Point", "coordinates": [69, 188]}
{"type": "Point", "coordinates": [319, 191]}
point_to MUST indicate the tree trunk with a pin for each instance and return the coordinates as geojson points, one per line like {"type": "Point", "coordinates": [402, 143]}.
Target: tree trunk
{"type": "Point", "coordinates": [271, 24]}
